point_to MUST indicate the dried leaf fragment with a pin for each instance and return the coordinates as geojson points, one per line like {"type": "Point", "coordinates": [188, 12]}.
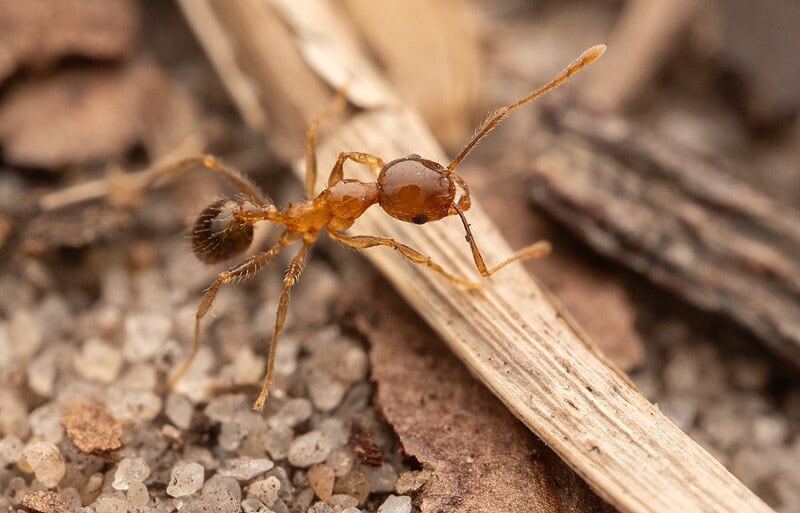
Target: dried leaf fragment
{"type": "Point", "coordinates": [364, 447]}
{"type": "Point", "coordinates": [41, 501]}
{"type": "Point", "coordinates": [475, 456]}
{"type": "Point", "coordinates": [36, 33]}
{"type": "Point", "coordinates": [82, 115]}
{"type": "Point", "coordinates": [92, 428]}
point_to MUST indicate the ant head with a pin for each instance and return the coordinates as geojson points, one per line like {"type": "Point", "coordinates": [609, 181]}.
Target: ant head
{"type": "Point", "coordinates": [418, 190]}
{"type": "Point", "coordinates": [217, 235]}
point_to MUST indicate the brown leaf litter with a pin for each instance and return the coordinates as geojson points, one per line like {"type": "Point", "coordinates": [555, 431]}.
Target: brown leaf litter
{"type": "Point", "coordinates": [75, 116]}
{"type": "Point", "coordinates": [475, 456]}
{"type": "Point", "coordinates": [35, 34]}
{"type": "Point", "coordinates": [92, 428]}
{"type": "Point", "coordinates": [41, 501]}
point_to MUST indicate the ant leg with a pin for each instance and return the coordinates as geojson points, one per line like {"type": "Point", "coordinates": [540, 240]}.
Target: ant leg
{"type": "Point", "coordinates": [236, 178]}
{"type": "Point", "coordinates": [368, 241]}
{"type": "Point", "coordinates": [311, 140]}
{"type": "Point", "coordinates": [535, 250]}
{"type": "Point", "coordinates": [292, 275]}
{"type": "Point", "coordinates": [240, 272]}
{"type": "Point", "coordinates": [337, 173]}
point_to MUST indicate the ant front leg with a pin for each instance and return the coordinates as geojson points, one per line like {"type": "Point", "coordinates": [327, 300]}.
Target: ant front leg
{"type": "Point", "coordinates": [292, 275]}
{"type": "Point", "coordinates": [368, 241]}
{"type": "Point", "coordinates": [240, 272]}
{"type": "Point", "coordinates": [535, 250]}
{"type": "Point", "coordinates": [337, 173]}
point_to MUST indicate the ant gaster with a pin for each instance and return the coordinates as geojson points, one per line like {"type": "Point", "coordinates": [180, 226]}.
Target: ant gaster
{"type": "Point", "coordinates": [411, 189]}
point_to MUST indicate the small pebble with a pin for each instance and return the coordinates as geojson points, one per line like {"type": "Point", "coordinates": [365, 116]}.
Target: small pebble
{"type": "Point", "coordinates": [137, 406]}
{"type": "Point", "coordinates": [303, 499]}
{"type": "Point", "coordinates": [352, 365]}
{"type": "Point", "coordinates": [293, 412]}
{"type": "Point", "coordinates": [396, 504]}
{"type": "Point", "coordinates": [98, 361]}
{"type": "Point", "coordinates": [110, 503]}
{"type": "Point", "coordinates": [92, 488]}
{"type": "Point", "coordinates": [46, 422]}
{"type": "Point", "coordinates": [381, 479]}
{"type": "Point", "coordinates": [325, 391]}
{"type": "Point", "coordinates": [179, 410]}
{"type": "Point", "coordinates": [223, 493]}
{"type": "Point", "coordinates": [351, 510]}
{"type": "Point", "coordinates": [138, 497]}
{"type": "Point", "coordinates": [185, 479]}
{"type": "Point", "coordinates": [265, 490]}
{"type": "Point", "coordinates": [277, 440]}
{"type": "Point", "coordinates": [321, 507]}
{"type": "Point", "coordinates": [46, 461]}
{"type": "Point", "coordinates": [10, 449]}
{"type": "Point", "coordinates": [340, 501]}
{"type": "Point", "coordinates": [321, 478]}
{"type": "Point", "coordinates": [42, 374]}
{"type": "Point", "coordinates": [130, 470]}
{"type": "Point", "coordinates": [335, 431]}
{"type": "Point", "coordinates": [307, 449]}
{"type": "Point", "coordinates": [145, 333]}
{"type": "Point", "coordinates": [25, 335]}
{"type": "Point", "coordinates": [341, 460]}
{"type": "Point", "coordinates": [254, 506]}
{"type": "Point", "coordinates": [355, 484]}
{"type": "Point", "coordinates": [245, 469]}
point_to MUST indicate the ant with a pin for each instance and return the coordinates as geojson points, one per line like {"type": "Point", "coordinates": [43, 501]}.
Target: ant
{"type": "Point", "coordinates": [411, 189]}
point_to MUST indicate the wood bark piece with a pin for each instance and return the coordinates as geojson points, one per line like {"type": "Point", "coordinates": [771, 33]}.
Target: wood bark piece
{"type": "Point", "coordinates": [477, 457]}
{"type": "Point", "coordinates": [509, 334]}
{"type": "Point", "coordinates": [444, 85]}
{"type": "Point", "coordinates": [36, 34]}
{"type": "Point", "coordinates": [677, 218]}
{"type": "Point", "coordinates": [592, 293]}
{"type": "Point", "coordinates": [643, 38]}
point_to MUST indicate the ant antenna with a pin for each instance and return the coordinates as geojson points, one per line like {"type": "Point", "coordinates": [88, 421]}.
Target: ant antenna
{"type": "Point", "coordinates": [586, 58]}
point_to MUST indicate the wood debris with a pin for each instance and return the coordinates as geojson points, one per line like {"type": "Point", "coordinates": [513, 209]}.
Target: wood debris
{"type": "Point", "coordinates": [92, 428]}
{"type": "Point", "coordinates": [41, 501]}
{"type": "Point", "coordinates": [679, 219]}
{"type": "Point", "coordinates": [476, 457]}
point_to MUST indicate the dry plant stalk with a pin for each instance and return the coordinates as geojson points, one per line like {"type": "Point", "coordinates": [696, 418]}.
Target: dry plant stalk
{"type": "Point", "coordinates": [510, 335]}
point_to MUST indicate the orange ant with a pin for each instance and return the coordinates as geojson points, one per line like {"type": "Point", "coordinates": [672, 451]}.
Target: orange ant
{"type": "Point", "coordinates": [411, 189]}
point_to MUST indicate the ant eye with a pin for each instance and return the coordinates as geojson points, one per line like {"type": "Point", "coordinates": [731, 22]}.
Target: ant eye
{"type": "Point", "coordinates": [420, 219]}
{"type": "Point", "coordinates": [217, 235]}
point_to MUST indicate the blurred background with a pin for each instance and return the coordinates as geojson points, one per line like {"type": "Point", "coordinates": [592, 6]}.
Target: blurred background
{"type": "Point", "coordinates": [667, 177]}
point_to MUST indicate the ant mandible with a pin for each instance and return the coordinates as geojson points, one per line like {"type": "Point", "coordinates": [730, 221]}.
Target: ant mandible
{"type": "Point", "coordinates": [411, 189]}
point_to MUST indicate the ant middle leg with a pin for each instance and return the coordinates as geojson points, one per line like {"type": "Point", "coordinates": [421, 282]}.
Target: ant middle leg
{"type": "Point", "coordinates": [535, 250]}
{"type": "Point", "coordinates": [241, 271]}
{"type": "Point", "coordinates": [368, 241]}
{"type": "Point", "coordinates": [337, 173]}
{"type": "Point", "coordinates": [292, 275]}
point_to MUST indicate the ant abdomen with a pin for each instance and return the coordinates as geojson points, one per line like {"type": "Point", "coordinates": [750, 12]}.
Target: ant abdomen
{"type": "Point", "coordinates": [217, 235]}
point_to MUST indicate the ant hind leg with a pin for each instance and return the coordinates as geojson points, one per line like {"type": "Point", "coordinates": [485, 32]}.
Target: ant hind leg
{"type": "Point", "coordinates": [241, 271]}
{"type": "Point", "coordinates": [234, 177]}
{"type": "Point", "coordinates": [292, 275]}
